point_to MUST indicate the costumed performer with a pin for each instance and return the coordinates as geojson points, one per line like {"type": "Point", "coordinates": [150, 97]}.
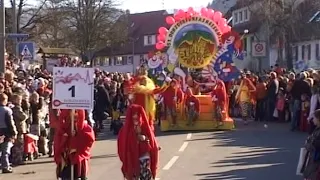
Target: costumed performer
{"type": "Point", "coordinates": [137, 147]}
{"type": "Point", "coordinates": [172, 97]}
{"type": "Point", "coordinates": [244, 97]}
{"type": "Point", "coordinates": [142, 93]}
{"type": "Point", "coordinates": [192, 105]}
{"type": "Point", "coordinates": [220, 101]}
{"type": "Point", "coordinates": [73, 148]}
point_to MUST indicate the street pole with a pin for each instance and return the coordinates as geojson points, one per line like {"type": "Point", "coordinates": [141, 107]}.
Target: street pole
{"type": "Point", "coordinates": [133, 68]}
{"type": "Point", "coordinates": [14, 27]}
{"type": "Point", "coordinates": [2, 37]}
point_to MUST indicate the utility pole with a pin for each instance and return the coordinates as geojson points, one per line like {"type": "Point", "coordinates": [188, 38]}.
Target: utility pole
{"type": "Point", "coordinates": [2, 37]}
{"type": "Point", "coordinates": [14, 27]}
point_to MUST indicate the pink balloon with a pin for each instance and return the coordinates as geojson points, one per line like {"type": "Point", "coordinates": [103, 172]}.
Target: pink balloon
{"type": "Point", "coordinates": [204, 11]}
{"type": "Point", "coordinates": [160, 45]}
{"type": "Point", "coordinates": [222, 21]}
{"type": "Point", "coordinates": [210, 13]}
{"type": "Point", "coordinates": [170, 20]}
{"type": "Point", "coordinates": [217, 16]}
{"type": "Point", "coordinates": [161, 37]}
{"type": "Point", "coordinates": [190, 10]}
{"type": "Point", "coordinates": [163, 30]}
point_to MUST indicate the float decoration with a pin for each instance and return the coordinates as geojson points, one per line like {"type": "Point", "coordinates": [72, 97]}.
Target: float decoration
{"type": "Point", "coordinates": [193, 36]}
{"type": "Point", "coordinates": [156, 63]}
{"type": "Point", "coordinates": [224, 65]}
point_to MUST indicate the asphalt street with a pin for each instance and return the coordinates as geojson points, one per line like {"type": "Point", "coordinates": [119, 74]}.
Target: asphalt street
{"type": "Point", "coordinates": [250, 152]}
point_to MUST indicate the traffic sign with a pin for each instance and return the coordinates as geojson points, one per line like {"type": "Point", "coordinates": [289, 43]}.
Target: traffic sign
{"type": "Point", "coordinates": [27, 50]}
{"type": "Point", "coordinates": [72, 88]}
{"type": "Point", "coordinates": [259, 49]}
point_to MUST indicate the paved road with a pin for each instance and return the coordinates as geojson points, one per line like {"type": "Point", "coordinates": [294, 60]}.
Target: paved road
{"type": "Point", "coordinates": [249, 153]}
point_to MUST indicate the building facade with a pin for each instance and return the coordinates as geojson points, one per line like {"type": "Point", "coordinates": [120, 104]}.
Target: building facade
{"type": "Point", "coordinates": [143, 30]}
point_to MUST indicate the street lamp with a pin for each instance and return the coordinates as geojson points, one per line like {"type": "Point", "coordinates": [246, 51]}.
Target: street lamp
{"type": "Point", "coordinates": [133, 40]}
{"type": "Point", "coordinates": [2, 36]}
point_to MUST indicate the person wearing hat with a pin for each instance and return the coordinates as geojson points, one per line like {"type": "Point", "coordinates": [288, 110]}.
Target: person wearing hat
{"type": "Point", "coordinates": [299, 87]}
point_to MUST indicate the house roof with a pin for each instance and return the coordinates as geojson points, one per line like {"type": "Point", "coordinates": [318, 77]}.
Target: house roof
{"type": "Point", "coordinates": [64, 51]}
{"type": "Point", "coordinates": [139, 24]}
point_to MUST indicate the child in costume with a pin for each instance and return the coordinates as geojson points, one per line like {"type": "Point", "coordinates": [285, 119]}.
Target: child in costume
{"type": "Point", "coordinates": [192, 105]}
{"type": "Point", "coordinates": [137, 147]}
{"type": "Point", "coordinates": [73, 148]}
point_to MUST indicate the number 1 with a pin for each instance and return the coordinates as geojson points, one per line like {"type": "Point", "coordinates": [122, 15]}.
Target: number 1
{"type": "Point", "coordinates": [73, 91]}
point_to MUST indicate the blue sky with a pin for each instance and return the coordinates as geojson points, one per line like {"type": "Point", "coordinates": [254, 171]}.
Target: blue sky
{"type": "Point", "coordinates": [136, 6]}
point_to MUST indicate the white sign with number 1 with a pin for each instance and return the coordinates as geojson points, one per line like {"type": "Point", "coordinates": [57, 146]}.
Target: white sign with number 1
{"type": "Point", "coordinates": [73, 88]}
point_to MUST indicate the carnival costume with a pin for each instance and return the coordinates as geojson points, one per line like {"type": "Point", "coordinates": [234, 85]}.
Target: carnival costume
{"type": "Point", "coordinates": [220, 99]}
{"type": "Point", "coordinates": [143, 89]}
{"type": "Point", "coordinates": [137, 146]}
{"type": "Point", "coordinates": [73, 148]}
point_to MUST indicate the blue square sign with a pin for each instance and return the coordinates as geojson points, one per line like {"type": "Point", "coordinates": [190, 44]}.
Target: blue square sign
{"type": "Point", "coordinates": [27, 50]}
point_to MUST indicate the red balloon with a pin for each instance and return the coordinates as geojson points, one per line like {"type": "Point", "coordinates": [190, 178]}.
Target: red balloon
{"type": "Point", "coordinates": [204, 11]}
{"type": "Point", "coordinates": [163, 30]}
{"type": "Point", "coordinates": [161, 37]}
{"type": "Point", "coordinates": [160, 45]}
{"type": "Point", "coordinates": [217, 16]}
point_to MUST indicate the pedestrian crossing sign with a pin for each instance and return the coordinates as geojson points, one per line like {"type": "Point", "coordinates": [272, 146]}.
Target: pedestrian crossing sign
{"type": "Point", "coordinates": [26, 52]}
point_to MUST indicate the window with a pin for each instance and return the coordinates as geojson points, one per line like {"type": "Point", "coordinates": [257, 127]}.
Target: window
{"type": "Point", "coordinates": [141, 59]}
{"type": "Point", "coordinates": [107, 61]}
{"type": "Point", "coordinates": [245, 44]}
{"type": "Point", "coordinates": [317, 52]}
{"type": "Point", "coordinates": [117, 60]}
{"type": "Point", "coordinates": [241, 16]}
{"type": "Point", "coordinates": [130, 60]}
{"type": "Point", "coordinates": [309, 51]}
{"type": "Point", "coordinates": [149, 40]}
{"type": "Point", "coordinates": [295, 53]}
{"type": "Point", "coordinates": [124, 60]}
{"type": "Point", "coordinates": [246, 18]}
{"type": "Point", "coordinates": [302, 52]}
{"type": "Point", "coordinates": [235, 16]}
{"type": "Point", "coordinates": [101, 61]}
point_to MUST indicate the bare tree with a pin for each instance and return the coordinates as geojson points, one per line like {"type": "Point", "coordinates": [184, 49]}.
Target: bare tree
{"type": "Point", "coordinates": [92, 24]}
{"type": "Point", "coordinates": [285, 21]}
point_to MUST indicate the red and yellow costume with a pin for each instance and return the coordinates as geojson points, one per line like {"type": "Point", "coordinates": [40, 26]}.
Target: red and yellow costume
{"type": "Point", "coordinates": [144, 95]}
{"type": "Point", "coordinates": [73, 149]}
{"type": "Point", "coordinates": [139, 156]}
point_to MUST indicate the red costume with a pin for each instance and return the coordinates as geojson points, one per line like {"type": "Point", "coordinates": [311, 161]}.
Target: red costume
{"type": "Point", "coordinates": [171, 92]}
{"type": "Point", "coordinates": [191, 99]}
{"type": "Point", "coordinates": [220, 93]}
{"type": "Point", "coordinates": [73, 150]}
{"type": "Point", "coordinates": [305, 108]}
{"type": "Point", "coordinates": [131, 147]}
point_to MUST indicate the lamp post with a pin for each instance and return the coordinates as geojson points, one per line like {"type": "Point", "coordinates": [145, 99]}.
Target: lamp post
{"type": "Point", "coordinates": [133, 41]}
{"type": "Point", "coordinates": [2, 37]}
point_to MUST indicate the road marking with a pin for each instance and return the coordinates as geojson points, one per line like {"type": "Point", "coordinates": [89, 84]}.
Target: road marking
{"type": "Point", "coordinates": [183, 147]}
{"type": "Point", "coordinates": [189, 136]}
{"type": "Point", "coordinates": [170, 163]}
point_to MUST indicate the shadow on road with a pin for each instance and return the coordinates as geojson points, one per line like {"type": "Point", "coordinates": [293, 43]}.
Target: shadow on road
{"type": "Point", "coordinates": [273, 154]}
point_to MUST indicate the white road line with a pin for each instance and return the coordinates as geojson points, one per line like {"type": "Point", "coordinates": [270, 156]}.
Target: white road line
{"type": "Point", "coordinates": [170, 163]}
{"type": "Point", "coordinates": [189, 136]}
{"type": "Point", "coordinates": [183, 147]}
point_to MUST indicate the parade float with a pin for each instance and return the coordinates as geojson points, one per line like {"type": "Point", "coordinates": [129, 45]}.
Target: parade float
{"type": "Point", "coordinates": [200, 41]}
